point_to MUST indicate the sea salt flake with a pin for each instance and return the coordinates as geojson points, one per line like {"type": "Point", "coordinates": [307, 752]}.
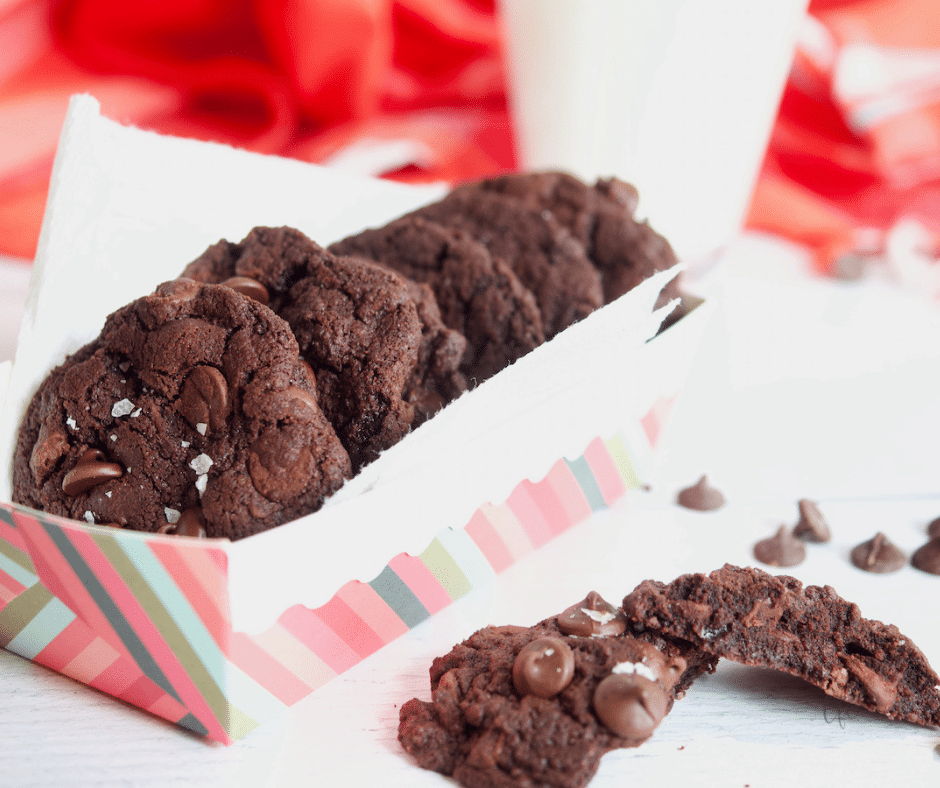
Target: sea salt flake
{"type": "Point", "coordinates": [72, 423]}
{"type": "Point", "coordinates": [122, 408]}
{"type": "Point", "coordinates": [136, 413]}
{"type": "Point", "coordinates": [172, 515]}
{"type": "Point", "coordinates": [600, 616]}
{"type": "Point", "coordinates": [184, 444]}
{"type": "Point", "coordinates": [113, 437]}
{"type": "Point", "coordinates": [201, 428]}
{"type": "Point", "coordinates": [89, 518]}
{"type": "Point", "coordinates": [631, 668]}
{"type": "Point", "coordinates": [108, 494]}
{"type": "Point", "coordinates": [201, 482]}
{"type": "Point", "coordinates": [201, 464]}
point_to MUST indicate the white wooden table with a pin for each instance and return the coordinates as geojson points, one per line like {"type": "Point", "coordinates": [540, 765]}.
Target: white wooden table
{"type": "Point", "coordinates": [857, 433]}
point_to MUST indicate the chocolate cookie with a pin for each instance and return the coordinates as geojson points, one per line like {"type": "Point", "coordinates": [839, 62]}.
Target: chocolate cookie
{"type": "Point", "coordinates": [535, 706]}
{"type": "Point", "coordinates": [478, 295]}
{"type": "Point", "coordinates": [601, 217]}
{"type": "Point", "coordinates": [435, 379]}
{"type": "Point", "coordinates": [548, 260]}
{"type": "Point", "coordinates": [751, 617]}
{"type": "Point", "coordinates": [358, 327]}
{"type": "Point", "coordinates": [192, 401]}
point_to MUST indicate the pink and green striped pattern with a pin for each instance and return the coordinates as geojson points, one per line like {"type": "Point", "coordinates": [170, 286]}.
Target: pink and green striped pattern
{"type": "Point", "coordinates": [146, 619]}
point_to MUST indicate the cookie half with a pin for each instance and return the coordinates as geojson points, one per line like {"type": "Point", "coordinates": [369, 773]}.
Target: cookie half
{"type": "Point", "coordinates": [541, 706]}
{"type": "Point", "coordinates": [754, 618]}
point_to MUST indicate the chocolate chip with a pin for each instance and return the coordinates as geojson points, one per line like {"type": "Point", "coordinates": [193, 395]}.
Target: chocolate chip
{"type": "Point", "coordinates": [701, 497]}
{"type": "Point", "coordinates": [304, 397]}
{"type": "Point", "coordinates": [50, 447]}
{"type": "Point", "coordinates": [204, 398]}
{"type": "Point", "coordinates": [191, 523]}
{"type": "Point", "coordinates": [248, 287]}
{"type": "Point", "coordinates": [630, 705]}
{"type": "Point", "coordinates": [90, 471]}
{"type": "Point", "coordinates": [592, 617]}
{"type": "Point", "coordinates": [878, 555]}
{"type": "Point", "coordinates": [811, 526]}
{"type": "Point", "coordinates": [927, 558]}
{"type": "Point", "coordinates": [543, 668]}
{"type": "Point", "coordinates": [933, 529]}
{"type": "Point", "coordinates": [781, 549]}
{"type": "Point", "coordinates": [179, 290]}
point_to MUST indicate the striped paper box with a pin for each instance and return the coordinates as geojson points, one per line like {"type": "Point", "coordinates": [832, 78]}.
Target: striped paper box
{"type": "Point", "coordinates": [146, 618]}
{"type": "Point", "coordinates": [218, 636]}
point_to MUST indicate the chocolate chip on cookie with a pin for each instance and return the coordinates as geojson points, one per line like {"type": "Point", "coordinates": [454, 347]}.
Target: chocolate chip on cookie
{"type": "Point", "coordinates": [540, 706]}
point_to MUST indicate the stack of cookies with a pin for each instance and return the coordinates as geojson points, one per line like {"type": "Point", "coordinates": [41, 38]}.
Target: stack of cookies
{"type": "Point", "coordinates": [244, 393]}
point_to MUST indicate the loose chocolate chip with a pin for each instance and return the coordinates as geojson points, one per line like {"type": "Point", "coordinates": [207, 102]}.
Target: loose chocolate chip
{"type": "Point", "coordinates": [204, 398]}
{"type": "Point", "coordinates": [543, 668]}
{"type": "Point", "coordinates": [927, 558]}
{"type": "Point", "coordinates": [248, 287]}
{"type": "Point", "coordinates": [933, 529]}
{"type": "Point", "coordinates": [90, 471]}
{"type": "Point", "coordinates": [781, 549]}
{"type": "Point", "coordinates": [630, 705]}
{"type": "Point", "coordinates": [878, 555]}
{"type": "Point", "coordinates": [811, 526]}
{"type": "Point", "coordinates": [592, 617]}
{"type": "Point", "coordinates": [701, 497]}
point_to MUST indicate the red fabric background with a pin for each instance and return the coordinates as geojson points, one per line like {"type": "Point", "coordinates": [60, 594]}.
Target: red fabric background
{"type": "Point", "coordinates": [305, 78]}
{"type": "Point", "coordinates": [301, 78]}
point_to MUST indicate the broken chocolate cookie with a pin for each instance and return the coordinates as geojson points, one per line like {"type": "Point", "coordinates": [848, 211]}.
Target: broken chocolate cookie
{"type": "Point", "coordinates": [535, 706]}
{"type": "Point", "coordinates": [754, 618]}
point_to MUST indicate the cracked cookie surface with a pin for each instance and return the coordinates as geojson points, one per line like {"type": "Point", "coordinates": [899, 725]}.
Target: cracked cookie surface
{"type": "Point", "coordinates": [478, 294]}
{"type": "Point", "coordinates": [545, 256]}
{"type": "Point", "coordinates": [601, 216]}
